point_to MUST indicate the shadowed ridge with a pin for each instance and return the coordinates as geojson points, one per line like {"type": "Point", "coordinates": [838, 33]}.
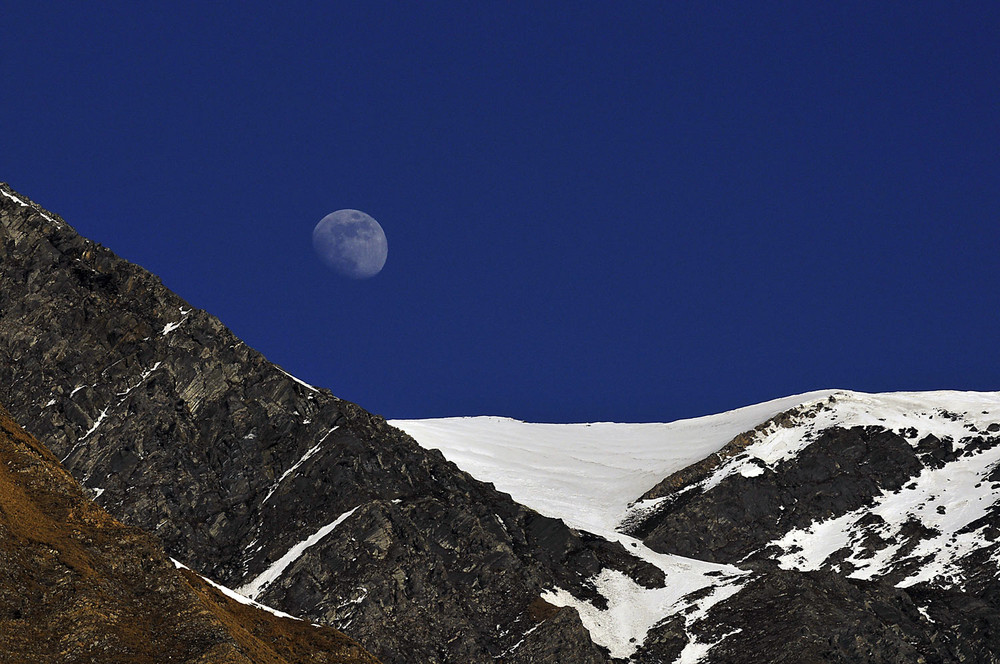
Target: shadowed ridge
{"type": "Point", "coordinates": [243, 471]}
{"type": "Point", "coordinates": [76, 585]}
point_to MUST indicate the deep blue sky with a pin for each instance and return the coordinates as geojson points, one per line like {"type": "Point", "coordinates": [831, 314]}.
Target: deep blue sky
{"type": "Point", "coordinates": [595, 211]}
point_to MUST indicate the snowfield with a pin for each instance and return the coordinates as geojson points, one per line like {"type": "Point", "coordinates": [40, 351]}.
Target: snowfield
{"type": "Point", "coordinates": [588, 475]}
{"type": "Point", "coordinates": [591, 475]}
{"type": "Point", "coordinates": [585, 474]}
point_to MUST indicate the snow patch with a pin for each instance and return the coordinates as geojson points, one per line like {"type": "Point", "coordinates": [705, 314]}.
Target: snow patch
{"type": "Point", "coordinates": [24, 204]}
{"type": "Point", "coordinates": [232, 594]}
{"type": "Point", "coordinates": [305, 457]}
{"type": "Point", "coordinates": [104, 413]}
{"type": "Point", "coordinates": [751, 470]}
{"type": "Point", "coordinates": [79, 441]}
{"type": "Point", "coordinates": [14, 198]}
{"type": "Point", "coordinates": [943, 500]}
{"type": "Point", "coordinates": [142, 379]}
{"type": "Point", "coordinates": [589, 474]}
{"type": "Point", "coordinates": [521, 642]}
{"type": "Point", "coordinates": [695, 650]}
{"type": "Point", "coordinates": [100, 420]}
{"type": "Point", "coordinates": [944, 414]}
{"type": "Point", "coordinates": [256, 587]}
{"type": "Point", "coordinates": [170, 327]}
{"type": "Point", "coordinates": [634, 609]}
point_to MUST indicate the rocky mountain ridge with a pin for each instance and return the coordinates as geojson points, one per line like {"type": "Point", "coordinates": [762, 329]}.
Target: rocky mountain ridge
{"type": "Point", "coordinates": [850, 527]}
{"type": "Point", "coordinates": [895, 487]}
{"type": "Point", "coordinates": [180, 429]}
{"type": "Point", "coordinates": [313, 505]}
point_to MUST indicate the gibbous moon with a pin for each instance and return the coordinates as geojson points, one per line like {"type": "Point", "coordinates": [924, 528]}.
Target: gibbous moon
{"type": "Point", "coordinates": [352, 243]}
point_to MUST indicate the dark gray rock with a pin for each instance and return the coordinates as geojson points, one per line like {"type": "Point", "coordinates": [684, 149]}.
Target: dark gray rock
{"type": "Point", "coordinates": [829, 619]}
{"type": "Point", "coordinates": [181, 429]}
{"type": "Point", "coordinates": [839, 472]}
{"type": "Point", "coordinates": [825, 616]}
{"type": "Point", "coordinates": [554, 633]}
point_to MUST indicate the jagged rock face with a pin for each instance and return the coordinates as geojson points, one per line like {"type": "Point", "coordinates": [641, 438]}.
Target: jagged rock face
{"type": "Point", "coordinates": [78, 586]}
{"type": "Point", "coordinates": [851, 528]}
{"type": "Point", "coordinates": [842, 471]}
{"type": "Point", "coordinates": [856, 544]}
{"type": "Point", "coordinates": [181, 429]}
{"type": "Point", "coordinates": [553, 627]}
{"type": "Point", "coordinates": [887, 533]}
{"type": "Point", "coordinates": [822, 618]}
{"type": "Point", "coordinates": [902, 505]}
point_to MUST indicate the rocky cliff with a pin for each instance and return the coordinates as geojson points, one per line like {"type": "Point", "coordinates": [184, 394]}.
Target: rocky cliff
{"type": "Point", "coordinates": [873, 518]}
{"type": "Point", "coordinates": [78, 586]}
{"type": "Point", "coordinates": [306, 501]}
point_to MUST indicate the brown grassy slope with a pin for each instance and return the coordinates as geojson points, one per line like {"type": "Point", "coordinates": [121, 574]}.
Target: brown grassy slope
{"type": "Point", "coordinates": [294, 640]}
{"type": "Point", "coordinates": [78, 586]}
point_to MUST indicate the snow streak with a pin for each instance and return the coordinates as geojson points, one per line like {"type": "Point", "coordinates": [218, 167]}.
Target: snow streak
{"type": "Point", "coordinates": [305, 457]}
{"type": "Point", "coordinates": [256, 587]}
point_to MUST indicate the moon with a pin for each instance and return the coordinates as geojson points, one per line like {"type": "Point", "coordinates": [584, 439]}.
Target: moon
{"type": "Point", "coordinates": [352, 243]}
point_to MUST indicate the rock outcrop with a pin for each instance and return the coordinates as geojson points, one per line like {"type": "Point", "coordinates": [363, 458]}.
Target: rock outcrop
{"type": "Point", "coordinates": [78, 586]}
{"type": "Point", "coordinates": [877, 529]}
{"type": "Point", "coordinates": [180, 429]}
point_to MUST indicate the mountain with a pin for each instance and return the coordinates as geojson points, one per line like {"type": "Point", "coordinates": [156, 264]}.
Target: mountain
{"type": "Point", "coordinates": [588, 475]}
{"type": "Point", "coordinates": [827, 527]}
{"type": "Point", "coordinates": [78, 586]}
{"type": "Point", "coordinates": [261, 482]}
{"type": "Point", "coordinates": [830, 526]}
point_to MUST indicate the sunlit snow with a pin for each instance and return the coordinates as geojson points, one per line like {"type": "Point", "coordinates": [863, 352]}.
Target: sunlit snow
{"type": "Point", "coordinates": [14, 198]}
{"type": "Point", "coordinates": [927, 413]}
{"type": "Point", "coordinates": [588, 475]}
{"type": "Point", "coordinates": [298, 380]}
{"type": "Point", "coordinates": [585, 474]}
{"type": "Point", "coordinates": [305, 457]}
{"type": "Point", "coordinates": [633, 609]}
{"type": "Point", "coordinates": [946, 500]}
{"type": "Point", "coordinates": [695, 650]}
{"type": "Point", "coordinates": [170, 327]}
{"type": "Point", "coordinates": [24, 204]}
{"type": "Point", "coordinates": [104, 412]}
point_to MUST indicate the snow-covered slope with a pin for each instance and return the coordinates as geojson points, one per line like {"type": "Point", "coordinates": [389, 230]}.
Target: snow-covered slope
{"type": "Point", "coordinates": [585, 474]}
{"type": "Point", "coordinates": [919, 532]}
{"type": "Point", "coordinates": [953, 415]}
{"type": "Point", "coordinates": [593, 475]}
